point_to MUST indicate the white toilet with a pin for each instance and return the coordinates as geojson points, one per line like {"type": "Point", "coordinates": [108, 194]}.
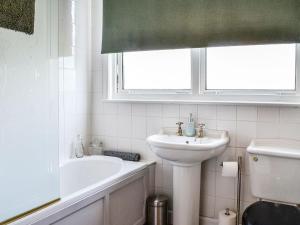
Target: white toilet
{"type": "Point", "coordinates": [275, 179]}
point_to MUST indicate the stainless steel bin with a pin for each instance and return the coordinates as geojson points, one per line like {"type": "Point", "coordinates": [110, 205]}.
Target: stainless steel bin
{"type": "Point", "coordinates": [157, 210]}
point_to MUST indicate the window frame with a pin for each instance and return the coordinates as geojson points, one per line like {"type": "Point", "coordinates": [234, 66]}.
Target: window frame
{"type": "Point", "coordinates": [120, 78]}
{"type": "Point", "coordinates": [198, 91]}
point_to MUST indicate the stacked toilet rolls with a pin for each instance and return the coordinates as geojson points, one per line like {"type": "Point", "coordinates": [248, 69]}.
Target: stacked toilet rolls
{"type": "Point", "coordinates": [227, 217]}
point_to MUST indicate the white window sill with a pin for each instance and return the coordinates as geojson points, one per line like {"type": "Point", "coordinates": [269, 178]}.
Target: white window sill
{"type": "Point", "coordinates": [223, 102]}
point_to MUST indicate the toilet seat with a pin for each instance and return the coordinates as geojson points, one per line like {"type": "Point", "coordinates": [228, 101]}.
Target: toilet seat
{"type": "Point", "coordinates": [268, 213]}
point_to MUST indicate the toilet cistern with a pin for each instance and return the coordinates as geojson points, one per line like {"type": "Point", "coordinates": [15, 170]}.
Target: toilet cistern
{"type": "Point", "coordinates": [272, 164]}
{"type": "Point", "coordinates": [274, 179]}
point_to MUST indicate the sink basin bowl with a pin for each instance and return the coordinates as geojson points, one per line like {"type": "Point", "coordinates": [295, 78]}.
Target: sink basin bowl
{"type": "Point", "coordinates": [188, 150]}
{"type": "Point", "coordinates": [186, 155]}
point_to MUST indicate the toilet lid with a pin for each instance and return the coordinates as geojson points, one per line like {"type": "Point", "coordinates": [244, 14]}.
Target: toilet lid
{"type": "Point", "coordinates": [268, 213]}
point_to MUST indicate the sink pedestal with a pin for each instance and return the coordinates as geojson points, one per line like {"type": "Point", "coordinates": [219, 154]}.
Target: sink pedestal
{"type": "Point", "coordinates": [186, 193]}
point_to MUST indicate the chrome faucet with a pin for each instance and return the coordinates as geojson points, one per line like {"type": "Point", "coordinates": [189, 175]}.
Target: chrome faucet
{"type": "Point", "coordinates": [200, 133]}
{"type": "Point", "coordinates": [179, 129]}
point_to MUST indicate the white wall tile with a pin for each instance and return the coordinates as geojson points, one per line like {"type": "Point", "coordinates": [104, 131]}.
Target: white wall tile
{"type": "Point", "coordinates": [97, 82]}
{"type": "Point", "coordinates": [154, 110]}
{"type": "Point", "coordinates": [159, 175]}
{"type": "Point", "coordinates": [169, 122]}
{"type": "Point", "coordinates": [110, 125]}
{"type": "Point", "coordinates": [290, 131]}
{"type": "Point", "coordinates": [267, 130]}
{"type": "Point", "coordinates": [83, 103]}
{"type": "Point", "coordinates": [210, 164]}
{"type": "Point", "coordinates": [209, 124]}
{"type": "Point", "coordinates": [124, 109]}
{"type": "Point", "coordinates": [229, 126]}
{"type": "Point", "coordinates": [109, 143]}
{"type": "Point", "coordinates": [208, 183]}
{"type": "Point", "coordinates": [139, 127]}
{"type": "Point", "coordinates": [97, 104]}
{"type": "Point", "coordinates": [226, 112]}
{"type": "Point", "coordinates": [167, 175]}
{"type": "Point", "coordinates": [96, 26]}
{"type": "Point", "coordinates": [225, 186]}
{"type": "Point", "coordinates": [207, 206]}
{"type": "Point", "coordinates": [98, 125]}
{"type": "Point", "coordinates": [186, 109]}
{"type": "Point", "coordinates": [207, 112]}
{"type": "Point", "coordinates": [139, 110]}
{"type": "Point", "coordinates": [154, 124]}
{"type": "Point", "coordinates": [124, 145]}
{"type": "Point", "coordinates": [290, 114]}
{"type": "Point", "coordinates": [170, 110]}
{"type": "Point", "coordinates": [96, 62]}
{"type": "Point", "coordinates": [69, 80]}
{"type": "Point", "coordinates": [124, 126]}
{"type": "Point", "coordinates": [247, 113]}
{"type": "Point", "coordinates": [69, 103]}
{"type": "Point", "coordinates": [246, 131]}
{"type": "Point", "coordinates": [139, 146]}
{"type": "Point", "coordinates": [110, 108]}
{"type": "Point", "coordinates": [268, 114]}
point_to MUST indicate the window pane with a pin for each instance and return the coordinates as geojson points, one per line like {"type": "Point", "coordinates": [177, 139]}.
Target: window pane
{"type": "Point", "coordinates": [165, 69]}
{"type": "Point", "coordinates": [260, 67]}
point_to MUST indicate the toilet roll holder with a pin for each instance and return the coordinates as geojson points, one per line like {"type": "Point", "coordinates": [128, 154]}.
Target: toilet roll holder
{"type": "Point", "coordinates": [239, 184]}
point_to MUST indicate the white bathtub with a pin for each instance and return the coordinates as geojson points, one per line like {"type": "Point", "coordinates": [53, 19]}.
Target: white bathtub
{"type": "Point", "coordinates": [98, 190]}
{"type": "Point", "coordinates": [79, 174]}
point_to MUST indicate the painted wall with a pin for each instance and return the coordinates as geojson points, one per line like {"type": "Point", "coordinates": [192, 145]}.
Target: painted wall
{"type": "Point", "coordinates": [125, 126]}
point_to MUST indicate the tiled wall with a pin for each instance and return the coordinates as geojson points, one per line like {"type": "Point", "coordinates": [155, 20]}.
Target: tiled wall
{"type": "Point", "coordinates": [75, 73]}
{"type": "Point", "coordinates": [124, 127]}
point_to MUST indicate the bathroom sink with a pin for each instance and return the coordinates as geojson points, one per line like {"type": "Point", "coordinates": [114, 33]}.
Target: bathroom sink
{"type": "Point", "coordinates": [186, 155]}
{"type": "Point", "coordinates": [188, 150]}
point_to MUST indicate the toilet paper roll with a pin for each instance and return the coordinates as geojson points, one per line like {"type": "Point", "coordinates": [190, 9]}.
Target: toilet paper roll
{"type": "Point", "coordinates": [230, 169]}
{"type": "Point", "coordinates": [227, 219]}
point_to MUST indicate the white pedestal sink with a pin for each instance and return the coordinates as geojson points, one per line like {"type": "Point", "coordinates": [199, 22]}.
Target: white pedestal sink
{"type": "Point", "coordinates": [186, 155]}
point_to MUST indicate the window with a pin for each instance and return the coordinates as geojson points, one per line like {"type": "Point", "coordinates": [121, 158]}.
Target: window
{"type": "Point", "coordinates": [155, 69]}
{"type": "Point", "coordinates": [257, 72]}
{"type": "Point", "coordinates": [261, 67]}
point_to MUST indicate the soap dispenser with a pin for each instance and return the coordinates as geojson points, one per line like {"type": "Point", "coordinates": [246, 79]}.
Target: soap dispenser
{"type": "Point", "coordinates": [190, 130]}
{"type": "Point", "coordinates": [79, 149]}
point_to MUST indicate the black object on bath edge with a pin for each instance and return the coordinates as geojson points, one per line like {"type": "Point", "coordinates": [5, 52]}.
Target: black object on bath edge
{"type": "Point", "coordinates": [17, 15]}
{"type": "Point", "coordinates": [128, 156]}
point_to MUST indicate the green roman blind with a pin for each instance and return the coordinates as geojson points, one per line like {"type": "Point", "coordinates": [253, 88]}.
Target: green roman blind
{"type": "Point", "coordinates": [132, 25]}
